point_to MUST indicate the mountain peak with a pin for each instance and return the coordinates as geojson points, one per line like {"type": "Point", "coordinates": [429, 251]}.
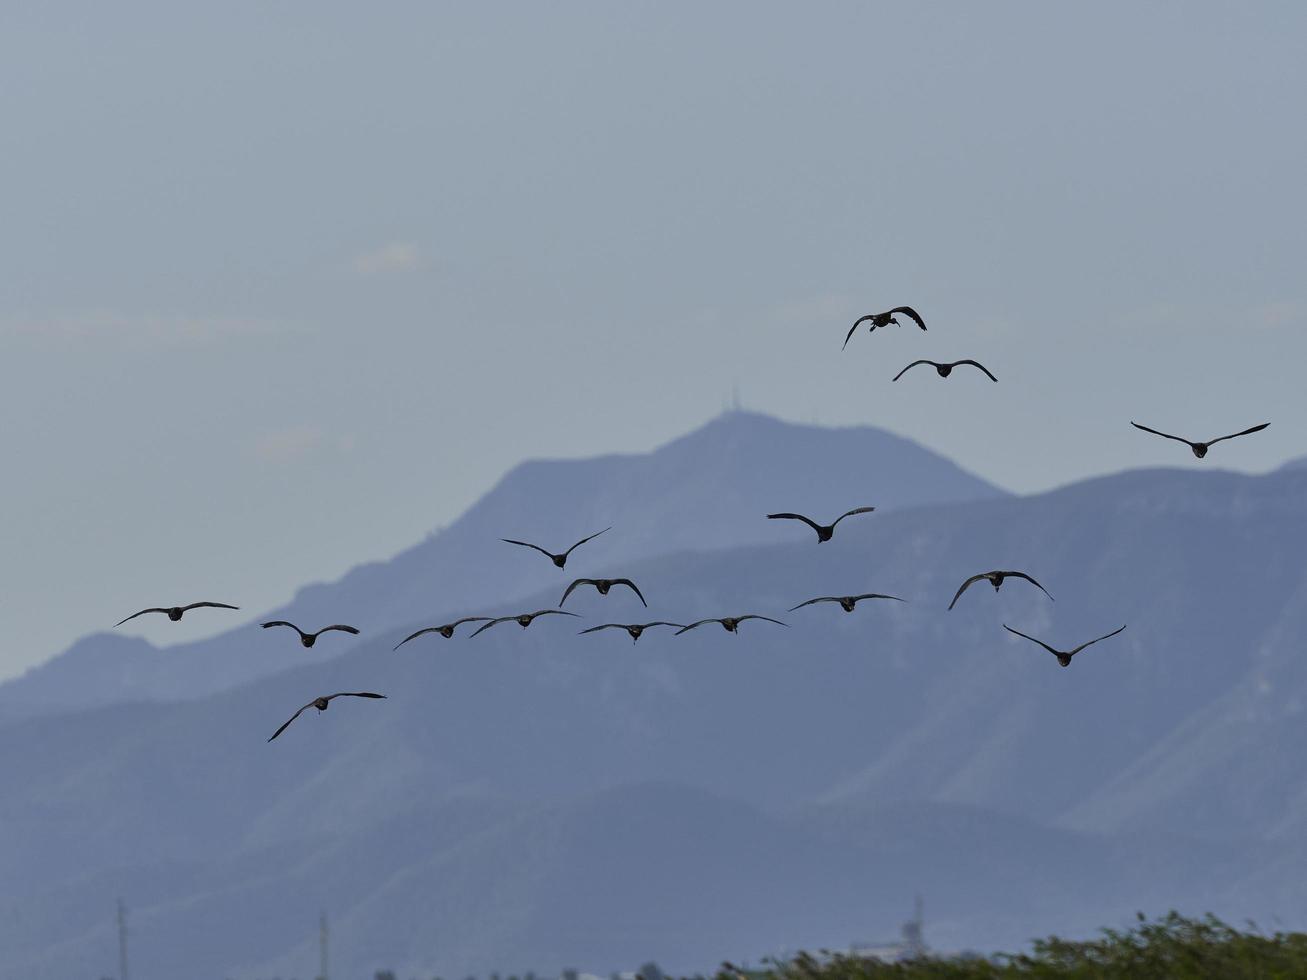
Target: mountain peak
{"type": "Point", "coordinates": [711, 488]}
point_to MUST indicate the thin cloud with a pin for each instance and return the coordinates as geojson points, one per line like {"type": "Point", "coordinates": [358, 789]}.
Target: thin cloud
{"type": "Point", "coordinates": [1277, 315]}
{"type": "Point", "coordinates": [391, 258]}
{"type": "Point", "coordinates": [293, 443]}
{"type": "Point", "coordinates": [181, 331]}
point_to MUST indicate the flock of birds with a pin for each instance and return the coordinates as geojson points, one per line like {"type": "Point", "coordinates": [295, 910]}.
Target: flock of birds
{"type": "Point", "coordinates": [824, 532]}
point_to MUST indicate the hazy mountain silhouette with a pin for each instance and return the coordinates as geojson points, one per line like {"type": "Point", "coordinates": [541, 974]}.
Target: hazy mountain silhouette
{"type": "Point", "coordinates": [607, 881]}
{"type": "Point", "coordinates": [817, 776]}
{"type": "Point", "coordinates": [709, 489]}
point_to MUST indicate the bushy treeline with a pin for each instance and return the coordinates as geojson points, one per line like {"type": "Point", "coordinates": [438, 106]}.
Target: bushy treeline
{"type": "Point", "coordinates": [1170, 948]}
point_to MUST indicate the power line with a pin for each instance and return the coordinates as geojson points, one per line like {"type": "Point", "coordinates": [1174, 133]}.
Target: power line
{"type": "Point", "coordinates": [122, 941]}
{"type": "Point", "coordinates": [322, 946]}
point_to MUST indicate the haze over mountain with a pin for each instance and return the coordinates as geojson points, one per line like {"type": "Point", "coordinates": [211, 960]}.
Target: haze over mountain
{"type": "Point", "coordinates": [691, 798]}
{"type": "Point", "coordinates": [709, 489]}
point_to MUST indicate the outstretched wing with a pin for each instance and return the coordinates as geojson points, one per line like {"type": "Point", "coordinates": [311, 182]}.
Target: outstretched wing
{"type": "Point", "coordinates": [963, 588]}
{"type": "Point", "coordinates": [493, 622]}
{"type": "Point", "coordinates": [662, 623]}
{"type": "Point", "coordinates": [825, 598]}
{"type": "Point", "coordinates": [1255, 428]}
{"type": "Point", "coordinates": [1072, 653]}
{"type": "Point", "coordinates": [282, 622]}
{"type": "Point", "coordinates": [632, 586]}
{"type": "Point", "coordinates": [857, 323]}
{"type": "Point", "coordinates": [289, 720]}
{"type": "Point", "coordinates": [850, 513]}
{"type": "Point", "coordinates": [795, 517]}
{"type": "Point", "coordinates": [141, 613]}
{"type": "Point", "coordinates": [208, 605]}
{"type": "Point", "coordinates": [911, 366]}
{"type": "Point", "coordinates": [1030, 580]}
{"type": "Point", "coordinates": [353, 694]}
{"type": "Point", "coordinates": [528, 544]}
{"type": "Point", "coordinates": [909, 311]}
{"type": "Point", "coordinates": [340, 627]}
{"type": "Point", "coordinates": [551, 612]}
{"type": "Point", "coordinates": [1056, 653]}
{"type": "Point", "coordinates": [580, 581]}
{"type": "Point", "coordinates": [466, 619]}
{"type": "Point", "coordinates": [876, 595]}
{"type": "Point", "coordinates": [686, 629]}
{"type": "Point", "coordinates": [584, 540]}
{"type": "Point", "coordinates": [1162, 434]}
{"type": "Point", "coordinates": [767, 619]}
{"type": "Point", "coordinates": [414, 636]}
{"type": "Point", "coordinates": [606, 626]}
{"type": "Point", "coordinates": [976, 364]}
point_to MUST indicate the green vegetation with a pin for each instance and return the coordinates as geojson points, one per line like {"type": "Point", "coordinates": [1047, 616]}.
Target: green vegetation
{"type": "Point", "coordinates": [1169, 948]}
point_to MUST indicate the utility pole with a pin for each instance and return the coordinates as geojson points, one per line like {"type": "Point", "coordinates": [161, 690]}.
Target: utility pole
{"type": "Point", "coordinates": [122, 940]}
{"type": "Point", "coordinates": [322, 946]}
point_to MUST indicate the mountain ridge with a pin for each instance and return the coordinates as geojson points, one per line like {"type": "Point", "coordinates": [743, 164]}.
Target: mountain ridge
{"type": "Point", "coordinates": [676, 497]}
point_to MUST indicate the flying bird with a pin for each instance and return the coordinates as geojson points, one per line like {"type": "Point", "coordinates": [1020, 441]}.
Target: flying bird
{"type": "Point", "coordinates": [524, 620]}
{"type": "Point", "coordinates": [175, 612]}
{"type": "Point", "coordinates": [635, 630]}
{"type": "Point", "coordinates": [603, 585]}
{"type": "Point", "coordinates": [824, 531]}
{"type": "Point", "coordinates": [559, 560]}
{"type": "Point", "coordinates": [1063, 656]}
{"type": "Point", "coordinates": [996, 580]}
{"type": "Point", "coordinates": [446, 631]}
{"type": "Point", "coordinates": [321, 705]}
{"type": "Point", "coordinates": [1200, 448]}
{"type": "Point", "coordinates": [884, 320]}
{"type": "Point", "coordinates": [944, 370]}
{"type": "Point", "coordinates": [308, 639]}
{"type": "Point", "coordinates": [847, 602]}
{"type": "Point", "coordinates": [729, 623]}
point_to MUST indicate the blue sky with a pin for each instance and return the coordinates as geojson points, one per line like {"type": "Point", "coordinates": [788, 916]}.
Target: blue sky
{"type": "Point", "coordinates": [288, 287]}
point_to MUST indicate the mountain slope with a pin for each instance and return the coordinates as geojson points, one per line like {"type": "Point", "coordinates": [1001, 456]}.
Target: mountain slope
{"type": "Point", "coordinates": [1176, 728]}
{"type": "Point", "coordinates": [709, 489]}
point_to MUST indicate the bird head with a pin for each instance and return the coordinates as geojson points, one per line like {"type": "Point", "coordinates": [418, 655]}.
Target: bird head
{"type": "Point", "coordinates": [1064, 659]}
{"type": "Point", "coordinates": [1199, 448]}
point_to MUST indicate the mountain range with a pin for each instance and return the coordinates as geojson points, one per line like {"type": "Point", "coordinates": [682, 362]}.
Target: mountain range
{"type": "Point", "coordinates": [532, 800]}
{"type": "Point", "coordinates": [705, 491]}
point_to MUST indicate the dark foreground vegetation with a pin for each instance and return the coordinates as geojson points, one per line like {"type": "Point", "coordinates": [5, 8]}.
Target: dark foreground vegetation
{"type": "Point", "coordinates": [1170, 948]}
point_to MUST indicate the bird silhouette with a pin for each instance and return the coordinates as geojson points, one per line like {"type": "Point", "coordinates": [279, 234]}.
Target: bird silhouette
{"type": "Point", "coordinates": [308, 639]}
{"type": "Point", "coordinates": [321, 705]}
{"type": "Point", "coordinates": [603, 585]}
{"type": "Point", "coordinates": [1200, 448]}
{"type": "Point", "coordinates": [883, 320]}
{"type": "Point", "coordinates": [729, 623]}
{"type": "Point", "coordinates": [824, 531]}
{"type": "Point", "coordinates": [996, 580]}
{"type": "Point", "coordinates": [559, 560]}
{"type": "Point", "coordinates": [847, 602]}
{"type": "Point", "coordinates": [944, 370]}
{"type": "Point", "coordinates": [634, 630]}
{"type": "Point", "coordinates": [1063, 656]}
{"type": "Point", "coordinates": [176, 612]}
{"type": "Point", "coordinates": [523, 620]}
{"type": "Point", "coordinates": [446, 631]}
